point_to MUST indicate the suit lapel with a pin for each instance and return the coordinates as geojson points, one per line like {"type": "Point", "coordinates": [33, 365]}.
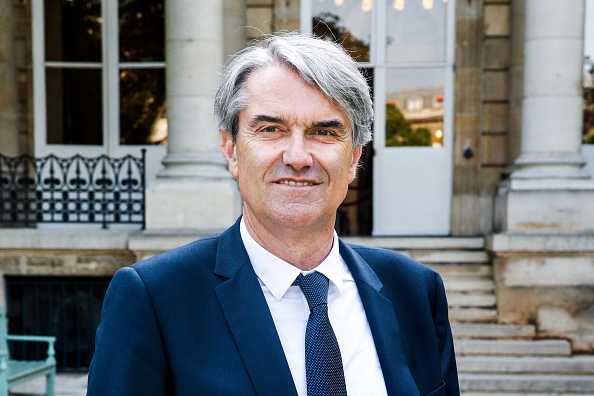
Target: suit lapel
{"type": "Point", "coordinates": [249, 318]}
{"type": "Point", "coordinates": [383, 323]}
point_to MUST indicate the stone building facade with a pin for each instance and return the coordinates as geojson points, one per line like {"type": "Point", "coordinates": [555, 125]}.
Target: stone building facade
{"type": "Point", "coordinates": [513, 167]}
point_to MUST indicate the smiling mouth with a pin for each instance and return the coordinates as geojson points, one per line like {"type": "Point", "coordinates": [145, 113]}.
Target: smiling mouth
{"type": "Point", "coordinates": [295, 184]}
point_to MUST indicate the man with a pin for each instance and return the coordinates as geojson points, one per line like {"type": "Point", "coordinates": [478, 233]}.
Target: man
{"type": "Point", "coordinates": [277, 304]}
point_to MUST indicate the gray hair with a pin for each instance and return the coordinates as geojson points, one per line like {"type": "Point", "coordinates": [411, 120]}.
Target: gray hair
{"type": "Point", "coordinates": [324, 65]}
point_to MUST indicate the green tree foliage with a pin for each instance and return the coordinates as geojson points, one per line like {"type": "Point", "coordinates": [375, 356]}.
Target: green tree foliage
{"type": "Point", "coordinates": [399, 131]}
{"type": "Point", "coordinates": [589, 137]}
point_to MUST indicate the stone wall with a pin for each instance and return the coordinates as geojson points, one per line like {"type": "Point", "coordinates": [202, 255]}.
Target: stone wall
{"type": "Point", "coordinates": [269, 16]}
{"type": "Point", "coordinates": [483, 38]}
{"type": "Point", "coordinates": [62, 252]}
{"type": "Point", "coordinates": [548, 281]}
{"type": "Point", "coordinates": [8, 99]}
{"type": "Point", "coordinates": [24, 64]}
{"type": "Point", "coordinates": [466, 189]}
{"type": "Point", "coordinates": [41, 262]}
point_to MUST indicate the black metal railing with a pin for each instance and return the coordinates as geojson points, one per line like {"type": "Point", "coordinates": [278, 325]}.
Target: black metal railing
{"type": "Point", "coordinates": [101, 190]}
{"type": "Point", "coordinates": [68, 308]}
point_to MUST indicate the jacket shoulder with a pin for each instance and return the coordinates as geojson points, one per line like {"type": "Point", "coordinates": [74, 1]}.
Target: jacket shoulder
{"type": "Point", "coordinates": [384, 262]}
{"type": "Point", "coordinates": [200, 254]}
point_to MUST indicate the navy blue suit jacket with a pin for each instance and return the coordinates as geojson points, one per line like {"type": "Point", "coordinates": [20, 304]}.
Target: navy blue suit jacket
{"type": "Point", "coordinates": [194, 321]}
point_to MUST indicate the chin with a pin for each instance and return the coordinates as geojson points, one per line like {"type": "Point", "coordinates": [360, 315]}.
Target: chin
{"type": "Point", "coordinates": [302, 217]}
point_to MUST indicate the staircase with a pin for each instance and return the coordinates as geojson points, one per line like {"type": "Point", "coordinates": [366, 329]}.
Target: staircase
{"type": "Point", "coordinates": [493, 359]}
{"type": "Point", "coordinates": [507, 360]}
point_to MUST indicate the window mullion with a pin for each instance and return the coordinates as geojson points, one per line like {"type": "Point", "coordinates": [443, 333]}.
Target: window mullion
{"type": "Point", "coordinates": [450, 45]}
{"type": "Point", "coordinates": [449, 75]}
{"type": "Point", "coordinates": [142, 65]}
{"type": "Point", "coordinates": [378, 43]}
{"type": "Point", "coordinates": [305, 17]}
{"type": "Point", "coordinates": [379, 74]}
{"type": "Point", "coordinates": [111, 100]}
{"type": "Point", "coordinates": [39, 94]}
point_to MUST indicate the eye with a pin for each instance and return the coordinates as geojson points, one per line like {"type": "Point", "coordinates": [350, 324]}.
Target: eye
{"type": "Point", "coordinates": [323, 132]}
{"type": "Point", "coordinates": [269, 129]}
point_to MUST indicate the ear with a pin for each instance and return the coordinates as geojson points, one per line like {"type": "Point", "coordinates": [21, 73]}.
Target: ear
{"type": "Point", "coordinates": [355, 163]}
{"type": "Point", "coordinates": [228, 147]}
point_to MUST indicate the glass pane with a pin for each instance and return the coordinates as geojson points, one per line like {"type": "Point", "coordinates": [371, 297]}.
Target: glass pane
{"type": "Point", "coordinates": [354, 215]}
{"type": "Point", "coordinates": [414, 107]}
{"type": "Point", "coordinates": [589, 74]}
{"type": "Point", "coordinates": [142, 31]}
{"type": "Point", "coordinates": [347, 22]}
{"type": "Point", "coordinates": [74, 114]}
{"type": "Point", "coordinates": [415, 30]}
{"type": "Point", "coordinates": [143, 117]}
{"type": "Point", "coordinates": [73, 30]}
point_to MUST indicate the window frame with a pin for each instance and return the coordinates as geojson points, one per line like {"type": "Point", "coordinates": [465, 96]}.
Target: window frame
{"type": "Point", "coordinates": [380, 66]}
{"type": "Point", "coordinates": [110, 66]}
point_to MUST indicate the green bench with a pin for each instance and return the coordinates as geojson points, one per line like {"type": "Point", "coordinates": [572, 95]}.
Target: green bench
{"type": "Point", "coordinates": [14, 372]}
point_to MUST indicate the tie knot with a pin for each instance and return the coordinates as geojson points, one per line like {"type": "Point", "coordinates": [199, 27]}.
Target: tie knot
{"type": "Point", "coordinates": [315, 288]}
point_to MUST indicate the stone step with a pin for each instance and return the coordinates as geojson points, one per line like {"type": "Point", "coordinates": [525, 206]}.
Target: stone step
{"type": "Point", "coordinates": [419, 243]}
{"type": "Point", "coordinates": [576, 365]}
{"type": "Point", "coordinates": [463, 270]}
{"type": "Point", "coordinates": [514, 394]}
{"type": "Point", "coordinates": [474, 315]}
{"type": "Point", "coordinates": [535, 383]}
{"type": "Point", "coordinates": [492, 331]}
{"type": "Point", "coordinates": [469, 285]}
{"type": "Point", "coordinates": [477, 300]}
{"type": "Point", "coordinates": [448, 256]}
{"type": "Point", "coordinates": [512, 348]}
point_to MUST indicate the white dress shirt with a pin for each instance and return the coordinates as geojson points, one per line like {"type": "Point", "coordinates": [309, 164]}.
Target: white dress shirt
{"type": "Point", "coordinates": [290, 312]}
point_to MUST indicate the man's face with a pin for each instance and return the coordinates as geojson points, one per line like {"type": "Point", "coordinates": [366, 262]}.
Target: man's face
{"type": "Point", "coordinates": [293, 156]}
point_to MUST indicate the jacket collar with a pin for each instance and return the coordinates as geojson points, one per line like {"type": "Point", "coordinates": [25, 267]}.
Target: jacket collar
{"type": "Point", "coordinates": [252, 326]}
{"type": "Point", "coordinates": [249, 318]}
{"type": "Point", "coordinates": [383, 323]}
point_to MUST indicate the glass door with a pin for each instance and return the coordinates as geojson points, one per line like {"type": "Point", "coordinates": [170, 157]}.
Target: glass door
{"type": "Point", "coordinates": [408, 48]}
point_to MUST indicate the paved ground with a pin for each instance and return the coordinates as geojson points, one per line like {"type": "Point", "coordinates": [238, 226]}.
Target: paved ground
{"type": "Point", "coordinates": [66, 385]}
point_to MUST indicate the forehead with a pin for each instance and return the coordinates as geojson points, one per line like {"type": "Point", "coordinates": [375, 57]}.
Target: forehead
{"type": "Point", "coordinates": [280, 91]}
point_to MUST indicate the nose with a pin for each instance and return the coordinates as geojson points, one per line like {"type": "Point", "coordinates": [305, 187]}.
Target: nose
{"type": "Point", "coordinates": [297, 154]}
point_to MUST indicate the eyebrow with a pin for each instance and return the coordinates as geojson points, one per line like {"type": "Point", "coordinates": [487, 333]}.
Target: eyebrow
{"type": "Point", "coordinates": [266, 118]}
{"type": "Point", "coordinates": [260, 118]}
{"type": "Point", "coordinates": [329, 124]}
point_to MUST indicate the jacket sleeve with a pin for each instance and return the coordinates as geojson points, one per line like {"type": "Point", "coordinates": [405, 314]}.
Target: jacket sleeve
{"type": "Point", "coordinates": [449, 372]}
{"type": "Point", "coordinates": [129, 355]}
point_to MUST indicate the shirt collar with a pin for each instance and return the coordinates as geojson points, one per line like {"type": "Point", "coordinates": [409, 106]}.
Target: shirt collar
{"type": "Point", "coordinates": [278, 275]}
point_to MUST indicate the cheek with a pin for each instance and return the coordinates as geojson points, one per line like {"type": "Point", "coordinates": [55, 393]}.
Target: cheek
{"type": "Point", "coordinates": [249, 168]}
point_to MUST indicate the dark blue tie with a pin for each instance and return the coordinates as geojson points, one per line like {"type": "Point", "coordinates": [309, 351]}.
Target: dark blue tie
{"type": "Point", "coordinates": [323, 363]}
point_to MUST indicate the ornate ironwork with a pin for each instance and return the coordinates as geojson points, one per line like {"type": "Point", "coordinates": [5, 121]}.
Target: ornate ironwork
{"type": "Point", "coordinates": [101, 190]}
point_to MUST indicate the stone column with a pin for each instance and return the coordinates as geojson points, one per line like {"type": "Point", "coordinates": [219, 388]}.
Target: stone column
{"type": "Point", "coordinates": [195, 190]}
{"type": "Point", "coordinates": [543, 256]}
{"type": "Point", "coordinates": [549, 191]}
{"type": "Point", "coordinates": [8, 81]}
{"type": "Point", "coordinates": [234, 27]}
{"type": "Point", "coordinates": [552, 101]}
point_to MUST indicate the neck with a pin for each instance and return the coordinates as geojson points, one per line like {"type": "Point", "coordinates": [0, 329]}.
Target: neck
{"type": "Point", "coordinates": [304, 247]}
